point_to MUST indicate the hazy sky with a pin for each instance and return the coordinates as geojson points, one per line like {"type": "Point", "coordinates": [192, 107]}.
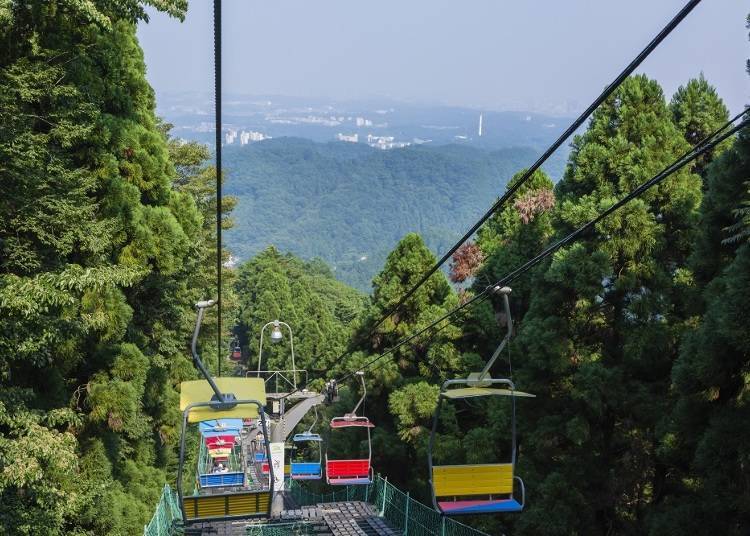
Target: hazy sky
{"type": "Point", "coordinates": [498, 54]}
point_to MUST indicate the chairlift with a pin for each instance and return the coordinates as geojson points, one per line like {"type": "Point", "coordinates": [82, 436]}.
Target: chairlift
{"type": "Point", "coordinates": [343, 472]}
{"type": "Point", "coordinates": [486, 488]}
{"type": "Point", "coordinates": [236, 354]}
{"type": "Point", "coordinates": [307, 469]}
{"type": "Point", "coordinates": [218, 406]}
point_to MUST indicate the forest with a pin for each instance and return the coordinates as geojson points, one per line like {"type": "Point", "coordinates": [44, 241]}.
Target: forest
{"type": "Point", "coordinates": [349, 203]}
{"type": "Point", "coordinates": [635, 338]}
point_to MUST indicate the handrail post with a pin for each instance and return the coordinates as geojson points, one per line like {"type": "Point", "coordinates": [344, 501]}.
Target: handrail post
{"type": "Point", "coordinates": [385, 489]}
{"type": "Point", "coordinates": [406, 514]}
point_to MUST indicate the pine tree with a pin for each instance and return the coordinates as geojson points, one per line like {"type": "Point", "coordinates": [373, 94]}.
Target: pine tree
{"type": "Point", "coordinates": [703, 439]}
{"type": "Point", "coordinates": [405, 265]}
{"type": "Point", "coordinates": [698, 111]}
{"type": "Point", "coordinates": [600, 336]}
{"type": "Point", "coordinates": [513, 235]}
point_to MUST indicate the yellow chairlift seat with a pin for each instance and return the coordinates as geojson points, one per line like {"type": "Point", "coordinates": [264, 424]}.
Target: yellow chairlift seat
{"type": "Point", "coordinates": [474, 489]}
{"type": "Point", "coordinates": [195, 391]}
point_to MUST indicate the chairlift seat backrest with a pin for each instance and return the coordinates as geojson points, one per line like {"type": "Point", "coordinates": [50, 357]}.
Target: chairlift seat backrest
{"type": "Point", "coordinates": [301, 438]}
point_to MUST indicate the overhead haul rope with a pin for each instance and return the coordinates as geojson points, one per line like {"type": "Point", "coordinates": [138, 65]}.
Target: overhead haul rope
{"type": "Point", "coordinates": [512, 189]}
{"type": "Point", "coordinates": [217, 96]}
{"type": "Point", "coordinates": [627, 71]}
{"type": "Point", "coordinates": [702, 147]}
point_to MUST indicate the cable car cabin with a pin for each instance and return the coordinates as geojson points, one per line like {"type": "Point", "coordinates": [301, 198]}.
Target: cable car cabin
{"type": "Point", "coordinates": [481, 488]}
{"type": "Point", "coordinates": [225, 488]}
{"type": "Point", "coordinates": [310, 468]}
{"type": "Point", "coordinates": [345, 472]}
{"type": "Point", "coordinates": [236, 353]}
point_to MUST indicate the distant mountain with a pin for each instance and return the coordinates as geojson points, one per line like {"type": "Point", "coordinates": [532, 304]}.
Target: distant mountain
{"type": "Point", "coordinates": [349, 204]}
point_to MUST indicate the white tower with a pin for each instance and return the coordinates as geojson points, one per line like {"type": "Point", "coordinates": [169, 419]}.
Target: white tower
{"type": "Point", "coordinates": [480, 125]}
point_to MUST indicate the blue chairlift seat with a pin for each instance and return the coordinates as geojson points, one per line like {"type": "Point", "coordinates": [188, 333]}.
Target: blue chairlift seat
{"type": "Point", "coordinates": [221, 479]}
{"type": "Point", "coordinates": [308, 469]}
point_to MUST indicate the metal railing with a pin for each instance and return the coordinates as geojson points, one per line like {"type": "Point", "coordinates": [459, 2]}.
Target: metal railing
{"type": "Point", "coordinates": [282, 381]}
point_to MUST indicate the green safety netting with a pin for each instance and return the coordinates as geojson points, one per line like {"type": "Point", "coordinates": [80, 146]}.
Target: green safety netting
{"type": "Point", "coordinates": [167, 511]}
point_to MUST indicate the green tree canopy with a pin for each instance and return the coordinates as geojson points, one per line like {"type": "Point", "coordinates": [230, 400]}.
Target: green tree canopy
{"type": "Point", "coordinates": [321, 311]}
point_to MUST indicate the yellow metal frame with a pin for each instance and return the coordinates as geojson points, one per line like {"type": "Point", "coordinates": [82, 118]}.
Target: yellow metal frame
{"type": "Point", "coordinates": [242, 504]}
{"type": "Point", "coordinates": [196, 391]}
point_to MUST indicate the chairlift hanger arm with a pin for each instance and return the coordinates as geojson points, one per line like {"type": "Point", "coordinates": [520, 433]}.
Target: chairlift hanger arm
{"type": "Point", "coordinates": [353, 413]}
{"type": "Point", "coordinates": [504, 291]}
{"type": "Point", "coordinates": [315, 421]}
{"type": "Point", "coordinates": [220, 400]}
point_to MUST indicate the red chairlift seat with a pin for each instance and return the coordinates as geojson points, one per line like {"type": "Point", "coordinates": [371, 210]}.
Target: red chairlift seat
{"type": "Point", "coordinates": [348, 472]}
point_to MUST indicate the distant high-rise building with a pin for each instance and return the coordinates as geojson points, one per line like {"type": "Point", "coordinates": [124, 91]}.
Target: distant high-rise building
{"type": "Point", "coordinates": [247, 137]}
{"type": "Point", "coordinates": [353, 138]}
{"type": "Point", "coordinates": [480, 125]}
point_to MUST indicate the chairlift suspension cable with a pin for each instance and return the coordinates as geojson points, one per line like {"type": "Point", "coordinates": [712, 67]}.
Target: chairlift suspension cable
{"type": "Point", "coordinates": [627, 71]}
{"type": "Point", "coordinates": [217, 96]}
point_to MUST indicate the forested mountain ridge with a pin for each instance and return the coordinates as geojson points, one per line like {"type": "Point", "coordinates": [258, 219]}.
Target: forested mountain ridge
{"type": "Point", "coordinates": [349, 204]}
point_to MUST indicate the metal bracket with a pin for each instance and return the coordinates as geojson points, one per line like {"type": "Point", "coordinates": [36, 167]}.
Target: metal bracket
{"type": "Point", "coordinates": [219, 401]}
{"type": "Point", "coordinates": [485, 374]}
{"type": "Point", "coordinates": [353, 414]}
